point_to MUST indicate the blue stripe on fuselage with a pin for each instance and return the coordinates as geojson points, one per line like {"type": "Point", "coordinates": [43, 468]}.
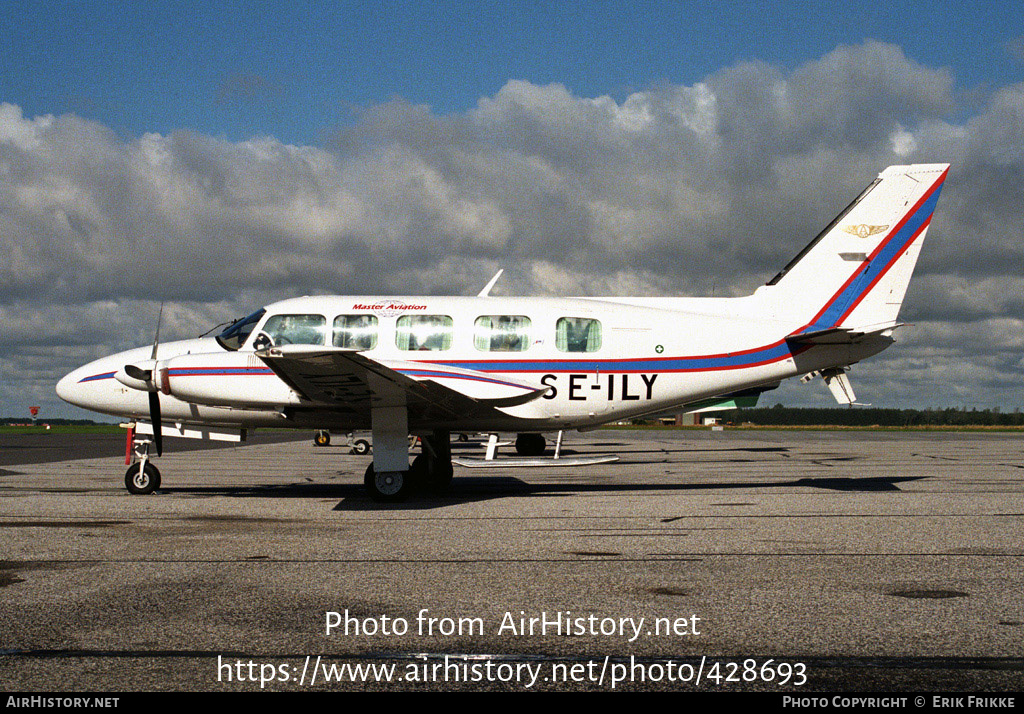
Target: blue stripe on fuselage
{"type": "Point", "coordinates": [93, 378]}
{"type": "Point", "coordinates": [771, 353]}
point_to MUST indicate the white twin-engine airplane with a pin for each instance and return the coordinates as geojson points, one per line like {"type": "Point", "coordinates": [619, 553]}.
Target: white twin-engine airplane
{"type": "Point", "coordinates": [433, 365]}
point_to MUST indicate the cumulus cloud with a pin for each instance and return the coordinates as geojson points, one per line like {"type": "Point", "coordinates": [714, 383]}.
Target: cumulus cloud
{"type": "Point", "coordinates": [685, 190]}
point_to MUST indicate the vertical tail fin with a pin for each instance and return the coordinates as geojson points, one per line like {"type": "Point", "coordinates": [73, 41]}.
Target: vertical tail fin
{"type": "Point", "coordinates": [856, 272]}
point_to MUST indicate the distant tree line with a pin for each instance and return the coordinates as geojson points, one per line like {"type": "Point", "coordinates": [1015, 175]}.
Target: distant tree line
{"type": "Point", "coordinates": [859, 416]}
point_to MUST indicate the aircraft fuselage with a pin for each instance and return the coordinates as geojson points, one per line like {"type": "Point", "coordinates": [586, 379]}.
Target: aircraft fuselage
{"type": "Point", "coordinates": [634, 360]}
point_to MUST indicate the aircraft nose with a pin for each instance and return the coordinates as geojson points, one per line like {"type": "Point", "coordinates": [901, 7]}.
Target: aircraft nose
{"type": "Point", "coordinates": [84, 387]}
{"type": "Point", "coordinates": [66, 387]}
{"type": "Point", "coordinates": [93, 386]}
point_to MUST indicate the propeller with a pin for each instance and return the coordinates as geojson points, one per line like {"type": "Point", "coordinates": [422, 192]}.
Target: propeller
{"type": "Point", "coordinates": [144, 376]}
{"type": "Point", "coordinates": [154, 397]}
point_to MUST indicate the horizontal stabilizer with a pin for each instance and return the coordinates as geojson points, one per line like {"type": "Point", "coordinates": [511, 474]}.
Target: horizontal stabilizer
{"type": "Point", "coordinates": [842, 335]}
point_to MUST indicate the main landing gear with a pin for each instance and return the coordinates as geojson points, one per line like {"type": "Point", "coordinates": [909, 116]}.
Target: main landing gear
{"type": "Point", "coordinates": [531, 445]}
{"type": "Point", "coordinates": [142, 477]}
{"type": "Point", "coordinates": [433, 468]}
{"type": "Point", "coordinates": [430, 471]}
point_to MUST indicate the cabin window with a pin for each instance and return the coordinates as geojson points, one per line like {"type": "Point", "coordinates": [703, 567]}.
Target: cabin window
{"type": "Point", "coordinates": [501, 333]}
{"type": "Point", "coordinates": [296, 329]}
{"type": "Point", "coordinates": [578, 334]}
{"type": "Point", "coordinates": [424, 332]}
{"type": "Point", "coordinates": [357, 332]}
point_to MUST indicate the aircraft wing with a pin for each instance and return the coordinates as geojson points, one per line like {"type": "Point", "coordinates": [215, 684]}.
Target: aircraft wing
{"type": "Point", "coordinates": [348, 380]}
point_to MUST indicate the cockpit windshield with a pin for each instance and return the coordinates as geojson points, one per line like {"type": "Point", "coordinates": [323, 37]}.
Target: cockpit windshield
{"type": "Point", "coordinates": [235, 335]}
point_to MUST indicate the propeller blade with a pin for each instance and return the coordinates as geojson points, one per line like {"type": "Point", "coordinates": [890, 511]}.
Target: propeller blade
{"type": "Point", "coordinates": [154, 416]}
{"type": "Point", "coordinates": [156, 338]}
{"type": "Point", "coordinates": [154, 397]}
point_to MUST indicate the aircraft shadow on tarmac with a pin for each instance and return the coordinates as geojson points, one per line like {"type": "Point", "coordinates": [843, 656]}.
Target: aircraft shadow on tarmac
{"type": "Point", "coordinates": [472, 489]}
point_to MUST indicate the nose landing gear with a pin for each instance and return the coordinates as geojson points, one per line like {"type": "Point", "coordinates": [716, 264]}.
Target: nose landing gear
{"type": "Point", "coordinates": [142, 477]}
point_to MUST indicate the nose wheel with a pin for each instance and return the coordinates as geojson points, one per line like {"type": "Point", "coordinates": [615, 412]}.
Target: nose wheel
{"type": "Point", "coordinates": [141, 478]}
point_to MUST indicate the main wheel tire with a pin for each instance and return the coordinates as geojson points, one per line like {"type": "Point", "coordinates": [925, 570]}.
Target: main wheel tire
{"type": "Point", "coordinates": [387, 487]}
{"type": "Point", "coordinates": [433, 475]}
{"type": "Point", "coordinates": [322, 438]}
{"type": "Point", "coordinates": [360, 447]}
{"type": "Point", "coordinates": [142, 480]}
{"type": "Point", "coordinates": [531, 445]}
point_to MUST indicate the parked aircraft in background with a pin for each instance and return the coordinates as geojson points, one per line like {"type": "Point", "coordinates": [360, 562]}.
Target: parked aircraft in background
{"type": "Point", "coordinates": [429, 366]}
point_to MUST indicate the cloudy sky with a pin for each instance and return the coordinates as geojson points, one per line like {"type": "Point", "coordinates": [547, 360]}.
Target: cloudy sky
{"type": "Point", "coordinates": [218, 159]}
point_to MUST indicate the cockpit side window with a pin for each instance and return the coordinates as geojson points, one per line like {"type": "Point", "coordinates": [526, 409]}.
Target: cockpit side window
{"type": "Point", "coordinates": [235, 335]}
{"type": "Point", "coordinates": [296, 329]}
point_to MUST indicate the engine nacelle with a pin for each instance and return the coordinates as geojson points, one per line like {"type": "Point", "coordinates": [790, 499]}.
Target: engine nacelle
{"type": "Point", "coordinates": [226, 379]}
